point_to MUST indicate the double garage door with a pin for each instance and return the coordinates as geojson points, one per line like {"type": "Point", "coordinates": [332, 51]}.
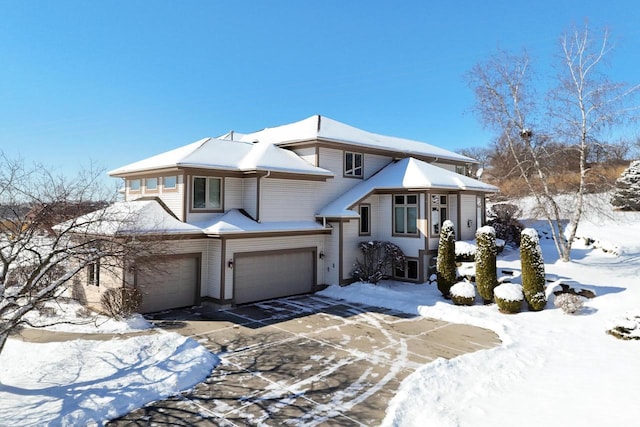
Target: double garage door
{"type": "Point", "coordinates": [168, 283]}
{"type": "Point", "coordinates": [273, 274]}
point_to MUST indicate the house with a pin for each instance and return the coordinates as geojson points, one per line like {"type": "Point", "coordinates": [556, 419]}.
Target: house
{"type": "Point", "coordinates": [254, 216]}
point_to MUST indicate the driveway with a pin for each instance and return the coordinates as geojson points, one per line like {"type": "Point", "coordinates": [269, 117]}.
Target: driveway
{"type": "Point", "coordinates": [306, 360]}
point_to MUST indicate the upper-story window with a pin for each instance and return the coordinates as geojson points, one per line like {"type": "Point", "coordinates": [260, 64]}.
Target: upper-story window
{"type": "Point", "coordinates": [151, 184]}
{"type": "Point", "coordinates": [462, 170]}
{"type": "Point", "coordinates": [170, 182]}
{"type": "Point", "coordinates": [353, 164]}
{"type": "Point", "coordinates": [207, 193]}
{"type": "Point", "coordinates": [405, 214]}
{"type": "Point", "coordinates": [438, 212]}
{"type": "Point", "coordinates": [134, 185]}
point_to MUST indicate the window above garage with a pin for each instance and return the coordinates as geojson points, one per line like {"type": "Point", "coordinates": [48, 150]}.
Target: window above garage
{"type": "Point", "coordinates": [206, 194]}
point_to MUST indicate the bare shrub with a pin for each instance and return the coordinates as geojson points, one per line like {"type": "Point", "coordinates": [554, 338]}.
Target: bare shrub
{"type": "Point", "coordinates": [569, 303]}
{"type": "Point", "coordinates": [121, 303]}
{"type": "Point", "coordinates": [378, 259]}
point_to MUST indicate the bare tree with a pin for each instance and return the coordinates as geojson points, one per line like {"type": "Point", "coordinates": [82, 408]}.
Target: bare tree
{"type": "Point", "coordinates": [578, 110]}
{"type": "Point", "coordinates": [38, 260]}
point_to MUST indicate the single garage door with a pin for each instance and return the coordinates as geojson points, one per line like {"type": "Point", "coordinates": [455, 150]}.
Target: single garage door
{"type": "Point", "coordinates": [168, 283]}
{"type": "Point", "coordinates": [264, 275]}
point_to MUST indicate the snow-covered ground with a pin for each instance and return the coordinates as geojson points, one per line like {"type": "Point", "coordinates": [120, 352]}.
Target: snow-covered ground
{"type": "Point", "coordinates": [552, 369]}
{"type": "Point", "coordinates": [84, 382]}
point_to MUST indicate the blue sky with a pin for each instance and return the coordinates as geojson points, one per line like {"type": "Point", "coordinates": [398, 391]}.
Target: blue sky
{"type": "Point", "coordinates": [117, 81]}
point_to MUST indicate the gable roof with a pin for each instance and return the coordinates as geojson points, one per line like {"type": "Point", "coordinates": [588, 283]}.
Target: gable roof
{"type": "Point", "coordinates": [224, 154]}
{"type": "Point", "coordinates": [323, 128]}
{"type": "Point", "coordinates": [408, 173]}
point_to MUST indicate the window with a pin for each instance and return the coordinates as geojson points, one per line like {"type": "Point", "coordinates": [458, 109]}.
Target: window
{"type": "Point", "coordinates": [409, 272]}
{"type": "Point", "coordinates": [365, 220]}
{"type": "Point", "coordinates": [93, 274]}
{"type": "Point", "coordinates": [207, 193]}
{"type": "Point", "coordinates": [170, 182]}
{"type": "Point", "coordinates": [151, 184]}
{"type": "Point", "coordinates": [405, 214]}
{"type": "Point", "coordinates": [353, 164]}
{"type": "Point", "coordinates": [134, 185]}
{"type": "Point", "coordinates": [438, 212]}
{"type": "Point", "coordinates": [462, 170]}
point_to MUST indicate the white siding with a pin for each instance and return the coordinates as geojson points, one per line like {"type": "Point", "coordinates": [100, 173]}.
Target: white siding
{"type": "Point", "coordinates": [249, 196]}
{"type": "Point", "coordinates": [270, 243]}
{"type": "Point", "coordinates": [373, 163]}
{"type": "Point", "coordinates": [448, 167]}
{"type": "Point", "coordinates": [308, 154]}
{"type": "Point", "coordinates": [409, 245]}
{"type": "Point", "coordinates": [174, 199]}
{"type": "Point", "coordinates": [233, 193]}
{"type": "Point", "coordinates": [350, 250]}
{"type": "Point", "coordinates": [332, 160]}
{"type": "Point", "coordinates": [468, 213]}
{"type": "Point", "coordinates": [211, 287]}
{"type": "Point", "coordinates": [330, 265]}
{"type": "Point", "coordinates": [453, 213]}
{"type": "Point", "coordinates": [288, 199]}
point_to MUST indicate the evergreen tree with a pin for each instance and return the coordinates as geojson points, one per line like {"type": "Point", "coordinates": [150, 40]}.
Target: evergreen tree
{"type": "Point", "coordinates": [627, 194]}
{"type": "Point", "coordinates": [533, 282]}
{"type": "Point", "coordinates": [446, 265]}
{"type": "Point", "coordinates": [486, 271]}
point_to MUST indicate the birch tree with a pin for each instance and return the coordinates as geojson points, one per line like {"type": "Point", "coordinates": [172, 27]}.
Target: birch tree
{"type": "Point", "coordinates": [575, 113]}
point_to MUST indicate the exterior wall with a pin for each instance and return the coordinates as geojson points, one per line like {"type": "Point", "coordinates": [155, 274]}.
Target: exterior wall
{"type": "Point", "coordinates": [308, 154]}
{"type": "Point", "coordinates": [350, 252]}
{"type": "Point", "coordinates": [233, 193]}
{"type": "Point", "coordinates": [330, 266]}
{"type": "Point", "coordinates": [89, 294]}
{"type": "Point", "coordinates": [250, 196]}
{"type": "Point", "coordinates": [233, 246]}
{"type": "Point", "coordinates": [173, 198]}
{"type": "Point", "coordinates": [446, 166]}
{"type": "Point", "coordinates": [468, 216]}
{"type": "Point", "coordinates": [373, 163]}
{"type": "Point", "coordinates": [288, 199]}
{"type": "Point", "coordinates": [212, 263]}
{"type": "Point", "coordinates": [453, 215]}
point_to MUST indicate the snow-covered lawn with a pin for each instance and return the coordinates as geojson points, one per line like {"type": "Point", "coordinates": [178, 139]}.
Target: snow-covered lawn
{"type": "Point", "coordinates": [84, 382]}
{"type": "Point", "coordinates": [552, 369]}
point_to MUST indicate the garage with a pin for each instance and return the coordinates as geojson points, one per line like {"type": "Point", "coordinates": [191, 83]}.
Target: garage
{"type": "Point", "coordinates": [169, 282]}
{"type": "Point", "coordinates": [273, 274]}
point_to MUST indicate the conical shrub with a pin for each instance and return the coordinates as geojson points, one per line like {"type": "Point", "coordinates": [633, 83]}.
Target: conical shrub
{"type": "Point", "coordinates": [532, 270]}
{"type": "Point", "coordinates": [446, 265]}
{"type": "Point", "coordinates": [485, 259]}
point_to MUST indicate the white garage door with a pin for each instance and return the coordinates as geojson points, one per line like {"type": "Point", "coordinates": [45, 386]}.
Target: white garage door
{"type": "Point", "coordinates": [168, 283]}
{"type": "Point", "coordinates": [265, 275]}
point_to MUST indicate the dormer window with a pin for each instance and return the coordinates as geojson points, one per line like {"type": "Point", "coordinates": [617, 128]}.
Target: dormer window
{"type": "Point", "coordinates": [353, 164]}
{"type": "Point", "coordinates": [207, 193]}
{"type": "Point", "coordinates": [151, 184]}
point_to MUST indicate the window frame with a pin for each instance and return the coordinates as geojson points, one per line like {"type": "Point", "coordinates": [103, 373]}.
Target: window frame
{"type": "Point", "coordinates": [130, 185]}
{"type": "Point", "coordinates": [146, 185]}
{"type": "Point", "coordinates": [405, 207]}
{"type": "Point", "coordinates": [437, 207]}
{"type": "Point", "coordinates": [405, 272]}
{"type": "Point", "coordinates": [93, 273]}
{"type": "Point", "coordinates": [164, 185]}
{"type": "Point", "coordinates": [351, 173]}
{"type": "Point", "coordinates": [366, 232]}
{"type": "Point", "coordinates": [207, 193]}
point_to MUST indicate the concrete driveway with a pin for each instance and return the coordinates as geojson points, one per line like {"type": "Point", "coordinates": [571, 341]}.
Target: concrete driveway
{"type": "Point", "coordinates": [306, 360]}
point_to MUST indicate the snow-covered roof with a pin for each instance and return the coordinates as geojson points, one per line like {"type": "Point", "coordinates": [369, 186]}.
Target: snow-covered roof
{"type": "Point", "coordinates": [235, 221]}
{"type": "Point", "coordinates": [132, 217]}
{"type": "Point", "coordinates": [408, 173]}
{"type": "Point", "coordinates": [324, 128]}
{"type": "Point", "coordinates": [225, 154]}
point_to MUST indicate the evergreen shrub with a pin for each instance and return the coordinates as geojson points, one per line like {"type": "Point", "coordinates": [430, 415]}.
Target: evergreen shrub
{"type": "Point", "coordinates": [533, 280]}
{"type": "Point", "coordinates": [485, 260]}
{"type": "Point", "coordinates": [509, 297]}
{"type": "Point", "coordinates": [446, 265]}
{"type": "Point", "coordinates": [463, 293]}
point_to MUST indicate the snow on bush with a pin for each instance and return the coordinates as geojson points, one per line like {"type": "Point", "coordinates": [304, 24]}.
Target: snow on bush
{"type": "Point", "coordinates": [627, 193]}
{"type": "Point", "coordinates": [509, 297]}
{"type": "Point", "coordinates": [446, 264]}
{"type": "Point", "coordinates": [533, 280]}
{"type": "Point", "coordinates": [463, 293]}
{"type": "Point", "coordinates": [569, 303]}
{"type": "Point", "coordinates": [485, 259]}
{"type": "Point", "coordinates": [626, 327]}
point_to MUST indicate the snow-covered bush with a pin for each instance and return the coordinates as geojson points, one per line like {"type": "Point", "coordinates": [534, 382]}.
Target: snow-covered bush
{"type": "Point", "coordinates": [627, 193]}
{"type": "Point", "coordinates": [533, 281]}
{"type": "Point", "coordinates": [509, 297]}
{"type": "Point", "coordinates": [485, 259]}
{"type": "Point", "coordinates": [446, 265]}
{"type": "Point", "coordinates": [378, 258]}
{"type": "Point", "coordinates": [569, 303]}
{"type": "Point", "coordinates": [503, 217]}
{"type": "Point", "coordinates": [121, 303]}
{"type": "Point", "coordinates": [463, 293]}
